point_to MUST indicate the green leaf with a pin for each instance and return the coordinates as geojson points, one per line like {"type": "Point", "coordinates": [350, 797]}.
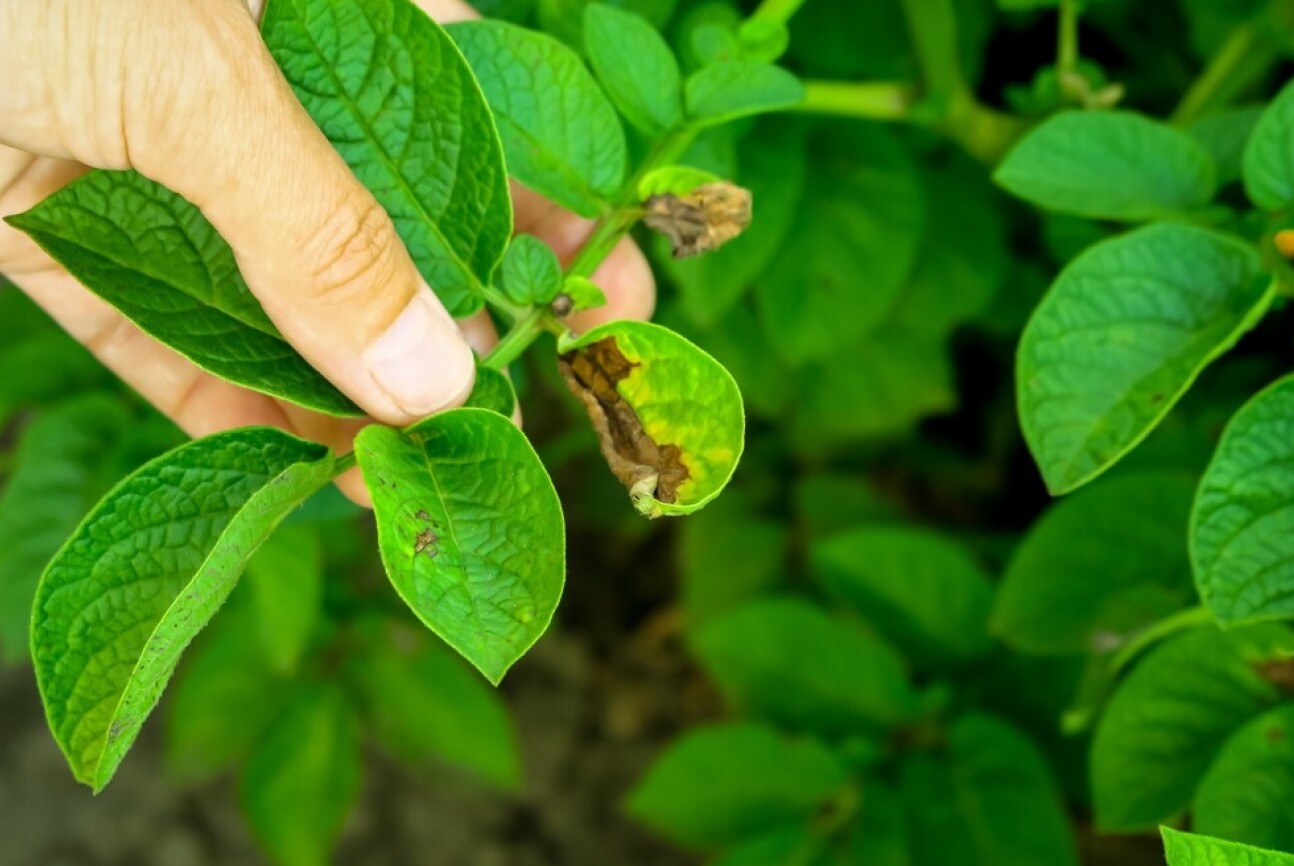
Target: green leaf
{"type": "Point", "coordinates": [145, 572]}
{"type": "Point", "coordinates": [963, 258]}
{"type": "Point", "coordinates": [774, 166]}
{"type": "Point", "coordinates": [717, 785]}
{"type": "Point", "coordinates": [427, 707]}
{"type": "Point", "coordinates": [921, 591]}
{"type": "Point", "coordinates": [1172, 713]}
{"type": "Point", "coordinates": [493, 390]}
{"type": "Point", "coordinates": [1109, 165]}
{"type": "Point", "coordinates": [1122, 335]}
{"type": "Point", "coordinates": [879, 386]}
{"type": "Point", "coordinates": [303, 778]}
{"type": "Point", "coordinates": [584, 294]}
{"type": "Point", "coordinates": [1245, 795]}
{"type": "Point", "coordinates": [1244, 512]}
{"type": "Point", "coordinates": [795, 843]}
{"type": "Point", "coordinates": [395, 97]}
{"type": "Point", "coordinates": [1099, 566]}
{"type": "Point", "coordinates": [54, 483]}
{"type": "Point", "coordinates": [669, 417]}
{"type": "Point", "coordinates": [286, 582]}
{"type": "Point", "coordinates": [155, 258]}
{"type": "Point", "coordinates": [731, 89]}
{"type": "Point", "coordinates": [1225, 136]}
{"type": "Point", "coordinates": [827, 503]}
{"type": "Point", "coordinates": [560, 135]}
{"type": "Point", "coordinates": [677, 180]}
{"type": "Point", "coordinates": [565, 20]}
{"type": "Point", "coordinates": [990, 801]}
{"type": "Point", "coordinates": [727, 556]}
{"type": "Point", "coordinates": [531, 274]}
{"type": "Point", "coordinates": [223, 701]}
{"type": "Point", "coordinates": [790, 662]}
{"type": "Point", "coordinates": [1269, 155]}
{"type": "Point", "coordinates": [470, 531]}
{"type": "Point", "coordinates": [53, 365]}
{"type": "Point", "coordinates": [636, 67]}
{"type": "Point", "coordinates": [1187, 849]}
{"type": "Point", "coordinates": [850, 250]}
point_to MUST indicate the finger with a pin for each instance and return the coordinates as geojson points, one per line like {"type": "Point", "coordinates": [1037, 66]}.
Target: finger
{"type": "Point", "coordinates": [315, 247]}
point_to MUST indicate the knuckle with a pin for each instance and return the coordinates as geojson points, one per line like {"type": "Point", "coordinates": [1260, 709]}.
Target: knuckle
{"type": "Point", "coordinates": [355, 253]}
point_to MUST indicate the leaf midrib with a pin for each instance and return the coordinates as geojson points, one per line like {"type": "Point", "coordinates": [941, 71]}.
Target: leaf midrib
{"type": "Point", "coordinates": [344, 98]}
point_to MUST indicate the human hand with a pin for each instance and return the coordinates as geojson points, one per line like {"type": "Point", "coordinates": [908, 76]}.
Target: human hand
{"type": "Point", "coordinates": [185, 93]}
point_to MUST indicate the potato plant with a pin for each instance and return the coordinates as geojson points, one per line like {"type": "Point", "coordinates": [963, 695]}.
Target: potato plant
{"type": "Point", "coordinates": [974, 277]}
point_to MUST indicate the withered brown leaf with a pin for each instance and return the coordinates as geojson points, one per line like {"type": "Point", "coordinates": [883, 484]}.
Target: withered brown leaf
{"type": "Point", "coordinates": [638, 462]}
{"type": "Point", "coordinates": [701, 221]}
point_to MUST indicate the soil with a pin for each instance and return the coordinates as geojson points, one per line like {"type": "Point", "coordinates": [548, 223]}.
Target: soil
{"type": "Point", "coordinates": [589, 726]}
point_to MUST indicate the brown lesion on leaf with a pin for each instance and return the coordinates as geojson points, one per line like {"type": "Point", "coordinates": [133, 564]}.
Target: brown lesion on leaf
{"type": "Point", "coordinates": [701, 221]}
{"type": "Point", "coordinates": [425, 541]}
{"type": "Point", "coordinates": [638, 462]}
{"type": "Point", "coordinates": [1278, 671]}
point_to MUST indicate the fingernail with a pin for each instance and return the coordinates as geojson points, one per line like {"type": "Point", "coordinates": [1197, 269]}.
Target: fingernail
{"type": "Point", "coordinates": [422, 362]}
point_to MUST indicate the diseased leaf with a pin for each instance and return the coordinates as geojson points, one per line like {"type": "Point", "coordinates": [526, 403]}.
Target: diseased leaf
{"type": "Point", "coordinates": [1099, 566]}
{"type": "Point", "coordinates": [989, 802]}
{"type": "Point", "coordinates": [427, 707]}
{"type": "Point", "coordinates": [1246, 793]}
{"type": "Point", "coordinates": [1269, 155]}
{"type": "Point", "coordinates": [730, 89]}
{"type": "Point", "coordinates": [636, 67]}
{"type": "Point", "coordinates": [773, 167]}
{"type": "Point", "coordinates": [560, 135]}
{"type": "Point", "coordinates": [531, 274]}
{"type": "Point", "coordinates": [54, 483]}
{"type": "Point", "coordinates": [920, 590]}
{"type": "Point", "coordinates": [395, 97]}
{"type": "Point", "coordinates": [668, 416]}
{"type": "Point", "coordinates": [1189, 849]}
{"type": "Point", "coordinates": [720, 784]}
{"type": "Point", "coordinates": [303, 778]}
{"type": "Point", "coordinates": [1171, 715]}
{"type": "Point", "coordinates": [493, 390]}
{"type": "Point", "coordinates": [790, 662]}
{"type": "Point", "coordinates": [1121, 335]}
{"type": "Point", "coordinates": [1109, 165]}
{"type": "Point", "coordinates": [470, 531]}
{"type": "Point", "coordinates": [145, 572]}
{"type": "Point", "coordinates": [702, 220]}
{"type": "Point", "coordinates": [1244, 513]}
{"type": "Point", "coordinates": [154, 257]}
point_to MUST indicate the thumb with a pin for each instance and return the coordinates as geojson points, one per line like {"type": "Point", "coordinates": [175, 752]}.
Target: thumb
{"type": "Point", "coordinates": [315, 247]}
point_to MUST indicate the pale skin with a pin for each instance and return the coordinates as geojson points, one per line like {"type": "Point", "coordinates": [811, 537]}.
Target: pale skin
{"type": "Point", "coordinates": [185, 93]}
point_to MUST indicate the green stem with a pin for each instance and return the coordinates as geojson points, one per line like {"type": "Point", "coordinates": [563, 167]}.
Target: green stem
{"type": "Point", "coordinates": [345, 463]}
{"type": "Point", "coordinates": [518, 338]}
{"type": "Point", "coordinates": [500, 302]}
{"type": "Point", "coordinates": [1241, 62]}
{"type": "Point", "coordinates": [779, 11]}
{"type": "Point", "coordinates": [1153, 634]}
{"type": "Point", "coordinates": [1067, 40]}
{"type": "Point", "coordinates": [933, 26]}
{"type": "Point", "coordinates": [874, 100]}
{"type": "Point", "coordinates": [627, 211]}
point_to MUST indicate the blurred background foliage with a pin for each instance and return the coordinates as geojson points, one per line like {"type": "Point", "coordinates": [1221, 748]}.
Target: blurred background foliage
{"type": "Point", "coordinates": [883, 645]}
